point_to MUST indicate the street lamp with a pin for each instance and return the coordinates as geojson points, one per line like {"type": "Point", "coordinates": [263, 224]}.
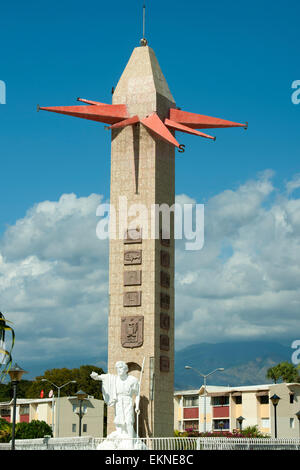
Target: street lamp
{"type": "Point", "coordinates": [204, 382]}
{"type": "Point", "coordinates": [58, 398]}
{"type": "Point", "coordinates": [15, 374]}
{"type": "Point", "coordinates": [81, 396]}
{"type": "Point", "coordinates": [240, 420]}
{"type": "Point", "coordinates": [275, 400]}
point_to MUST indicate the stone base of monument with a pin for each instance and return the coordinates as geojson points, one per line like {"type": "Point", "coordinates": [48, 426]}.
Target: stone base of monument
{"type": "Point", "coordinates": [117, 441]}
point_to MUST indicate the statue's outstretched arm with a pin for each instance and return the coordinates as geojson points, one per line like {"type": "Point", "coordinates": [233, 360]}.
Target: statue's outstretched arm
{"type": "Point", "coordinates": [96, 376]}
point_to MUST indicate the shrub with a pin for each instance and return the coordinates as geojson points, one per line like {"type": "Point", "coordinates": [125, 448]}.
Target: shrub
{"type": "Point", "coordinates": [250, 431]}
{"type": "Point", "coordinates": [33, 430]}
{"type": "Point", "coordinates": [5, 431]}
{"type": "Point", "coordinates": [253, 431]}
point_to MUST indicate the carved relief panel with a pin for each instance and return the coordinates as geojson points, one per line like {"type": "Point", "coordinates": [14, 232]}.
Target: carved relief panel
{"type": "Point", "coordinates": [132, 278]}
{"type": "Point", "coordinates": [132, 299]}
{"type": "Point", "coordinates": [164, 342]}
{"type": "Point", "coordinates": [132, 331]}
{"type": "Point", "coordinates": [164, 364]}
{"type": "Point", "coordinates": [164, 279]}
{"type": "Point", "coordinates": [164, 321]}
{"type": "Point", "coordinates": [164, 301]}
{"type": "Point", "coordinates": [133, 257]}
{"type": "Point", "coordinates": [164, 259]}
{"type": "Point", "coordinates": [133, 236]}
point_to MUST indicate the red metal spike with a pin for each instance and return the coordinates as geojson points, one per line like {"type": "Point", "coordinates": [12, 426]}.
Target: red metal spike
{"type": "Point", "coordinates": [154, 123]}
{"type": "Point", "coordinates": [95, 103]}
{"type": "Point", "coordinates": [127, 122]}
{"type": "Point", "coordinates": [188, 130]}
{"type": "Point", "coordinates": [109, 113]}
{"type": "Point", "coordinates": [199, 121]}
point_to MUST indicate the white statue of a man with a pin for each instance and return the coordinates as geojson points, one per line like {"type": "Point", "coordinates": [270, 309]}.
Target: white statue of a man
{"type": "Point", "coordinates": [118, 391]}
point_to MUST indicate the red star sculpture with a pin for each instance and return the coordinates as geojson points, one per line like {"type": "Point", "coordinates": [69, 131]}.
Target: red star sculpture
{"type": "Point", "coordinates": [117, 116]}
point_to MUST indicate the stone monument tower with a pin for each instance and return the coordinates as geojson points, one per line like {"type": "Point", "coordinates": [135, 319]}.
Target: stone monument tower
{"type": "Point", "coordinates": [141, 314]}
{"type": "Point", "coordinates": [143, 119]}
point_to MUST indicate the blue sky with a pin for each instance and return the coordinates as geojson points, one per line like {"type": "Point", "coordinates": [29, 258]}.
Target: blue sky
{"type": "Point", "coordinates": [233, 60]}
{"type": "Point", "coordinates": [224, 59]}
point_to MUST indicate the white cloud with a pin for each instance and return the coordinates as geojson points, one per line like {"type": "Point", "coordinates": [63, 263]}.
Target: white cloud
{"type": "Point", "coordinates": [243, 284]}
{"type": "Point", "coordinates": [293, 184]}
{"type": "Point", "coordinates": [53, 280]}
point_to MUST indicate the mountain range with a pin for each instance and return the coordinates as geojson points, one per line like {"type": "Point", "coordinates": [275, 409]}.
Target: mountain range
{"type": "Point", "coordinates": [245, 363]}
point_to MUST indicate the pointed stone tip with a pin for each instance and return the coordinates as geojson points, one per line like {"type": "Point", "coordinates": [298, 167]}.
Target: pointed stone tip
{"type": "Point", "coordinates": [38, 108]}
{"type": "Point", "coordinates": [214, 139]}
{"type": "Point", "coordinates": [246, 126]}
{"type": "Point", "coordinates": [142, 75]}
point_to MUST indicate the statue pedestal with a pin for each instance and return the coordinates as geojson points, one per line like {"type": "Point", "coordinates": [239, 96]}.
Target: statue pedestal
{"type": "Point", "coordinates": [117, 441]}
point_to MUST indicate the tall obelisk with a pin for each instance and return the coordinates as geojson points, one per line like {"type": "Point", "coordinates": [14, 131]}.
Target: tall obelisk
{"type": "Point", "coordinates": [141, 312]}
{"type": "Point", "coordinates": [143, 119]}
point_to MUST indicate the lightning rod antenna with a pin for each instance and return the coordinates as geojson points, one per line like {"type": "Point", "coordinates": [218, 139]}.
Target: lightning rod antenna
{"type": "Point", "coordinates": [144, 41]}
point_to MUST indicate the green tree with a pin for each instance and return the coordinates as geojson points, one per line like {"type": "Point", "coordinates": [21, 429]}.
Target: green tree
{"type": "Point", "coordinates": [61, 376]}
{"type": "Point", "coordinates": [289, 372]}
{"type": "Point", "coordinates": [84, 381]}
{"type": "Point", "coordinates": [284, 371]}
{"type": "Point", "coordinates": [6, 391]}
{"type": "Point", "coordinates": [33, 430]}
{"type": "Point", "coordinates": [273, 373]}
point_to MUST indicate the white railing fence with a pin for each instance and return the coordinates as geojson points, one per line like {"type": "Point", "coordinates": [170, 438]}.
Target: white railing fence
{"type": "Point", "coordinates": [158, 443]}
{"type": "Point", "coordinates": [211, 443]}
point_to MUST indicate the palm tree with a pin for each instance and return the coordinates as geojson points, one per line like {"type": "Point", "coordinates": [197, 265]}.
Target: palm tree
{"type": "Point", "coordinates": [5, 355]}
{"type": "Point", "coordinates": [273, 373]}
{"type": "Point", "coordinates": [284, 371]}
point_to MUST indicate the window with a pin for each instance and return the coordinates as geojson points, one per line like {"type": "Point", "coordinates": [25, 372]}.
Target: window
{"type": "Point", "coordinates": [220, 401]}
{"type": "Point", "coordinates": [238, 400]}
{"type": "Point", "coordinates": [191, 425]}
{"type": "Point", "coordinates": [221, 424]}
{"type": "Point", "coordinates": [84, 427]}
{"type": "Point", "coordinates": [265, 423]}
{"type": "Point", "coordinates": [191, 401]}
{"type": "Point", "coordinates": [73, 427]}
{"type": "Point", "coordinates": [5, 412]}
{"type": "Point", "coordinates": [292, 423]}
{"type": "Point", "coordinates": [292, 396]}
{"type": "Point", "coordinates": [24, 410]}
{"type": "Point", "coordinates": [264, 399]}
